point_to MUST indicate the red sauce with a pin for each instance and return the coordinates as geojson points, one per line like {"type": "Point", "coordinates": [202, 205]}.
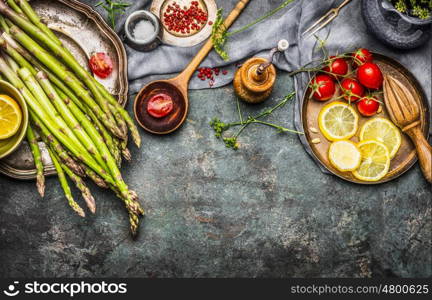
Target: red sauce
{"type": "Point", "coordinates": [160, 105]}
{"type": "Point", "coordinates": [168, 122]}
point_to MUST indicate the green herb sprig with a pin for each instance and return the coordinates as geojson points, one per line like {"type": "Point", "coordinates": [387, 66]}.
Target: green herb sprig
{"type": "Point", "coordinates": [417, 8]}
{"type": "Point", "coordinates": [231, 142]}
{"type": "Point", "coordinates": [219, 31]}
{"type": "Point", "coordinates": [113, 9]}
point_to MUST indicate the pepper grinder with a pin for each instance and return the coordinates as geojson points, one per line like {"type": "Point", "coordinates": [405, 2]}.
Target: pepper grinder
{"type": "Point", "coordinates": [254, 81]}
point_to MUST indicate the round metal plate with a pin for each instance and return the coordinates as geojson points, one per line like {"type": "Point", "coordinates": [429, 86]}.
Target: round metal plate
{"type": "Point", "coordinates": [83, 31]}
{"type": "Point", "coordinates": [406, 156]}
{"type": "Point", "coordinates": [158, 8]}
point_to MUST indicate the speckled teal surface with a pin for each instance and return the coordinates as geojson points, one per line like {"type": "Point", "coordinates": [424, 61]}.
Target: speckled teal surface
{"type": "Point", "coordinates": [262, 211]}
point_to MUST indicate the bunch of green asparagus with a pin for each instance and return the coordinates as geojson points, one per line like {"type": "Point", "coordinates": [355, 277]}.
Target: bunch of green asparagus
{"type": "Point", "coordinates": [82, 125]}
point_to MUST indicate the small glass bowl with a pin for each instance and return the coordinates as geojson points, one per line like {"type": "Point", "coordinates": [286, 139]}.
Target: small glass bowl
{"type": "Point", "coordinates": [152, 41]}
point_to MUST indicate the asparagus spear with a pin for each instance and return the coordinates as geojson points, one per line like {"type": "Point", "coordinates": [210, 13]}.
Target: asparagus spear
{"type": "Point", "coordinates": [129, 195]}
{"type": "Point", "coordinates": [52, 126]}
{"type": "Point", "coordinates": [67, 77]}
{"type": "Point", "coordinates": [15, 7]}
{"type": "Point", "coordinates": [26, 60]}
{"type": "Point", "coordinates": [64, 184]}
{"type": "Point", "coordinates": [125, 151]}
{"type": "Point", "coordinates": [59, 51]}
{"type": "Point", "coordinates": [52, 142]}
{"type": "Point", "coordinates": [3, 24]}
{"type": "Point", "coordinates": [34, 18]}
{"type": "Point", "coordinates": [63, 108]}
{"type": "Point", "coordinates": [102, 130]}
{"type": "Point", "coordinates": [130, 123]}
{"type": "Point", "coordinates": [34, 147]}
{"type": "Point", "coordinates": [121, 123]}
{"type": "Point", "coordinates": [16, 55]}
{"type": "Point", "coordinates": [133, 206]}
{"type": "Point", "coordinates": [79, 183]}
{"type": "Point", "coordinates": [95, 177]}
{"type": "Point", "coordinates": [100, 93]}
{"type": "Point", "coordinates": [46, 105]}
{"type": "Point", "coordinates": [102, 147]}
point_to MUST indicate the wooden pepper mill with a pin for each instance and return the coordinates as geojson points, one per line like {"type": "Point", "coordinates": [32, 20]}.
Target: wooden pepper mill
{"type": "Point", "coordinates": [254, 81]}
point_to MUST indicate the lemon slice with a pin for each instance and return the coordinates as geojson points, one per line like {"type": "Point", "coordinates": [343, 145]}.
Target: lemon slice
{"type": "Point", "coordinates": [344, 156]}
{"type": "Point", "coordinates": [338, 121]}
{"type": "Point", "coordinates": [384, 131]}
{"type": "Point", "coordinates": [375, 162]}
{"type": "Point", "coordinates": [10, 117]}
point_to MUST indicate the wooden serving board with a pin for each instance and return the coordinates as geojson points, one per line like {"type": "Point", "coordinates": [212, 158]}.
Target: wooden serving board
{"type": "Point", "coordinates": [83, 31]}
{"type": "Point", "coordinates": [406, 156]}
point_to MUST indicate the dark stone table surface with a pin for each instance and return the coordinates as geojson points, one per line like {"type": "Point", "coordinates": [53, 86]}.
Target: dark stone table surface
{"type": "Point", "coordinates": [262, 211]}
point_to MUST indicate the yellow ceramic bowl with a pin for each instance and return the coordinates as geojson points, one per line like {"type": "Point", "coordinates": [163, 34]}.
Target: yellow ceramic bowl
{"type": "Point", "coordinates": [9, 145]}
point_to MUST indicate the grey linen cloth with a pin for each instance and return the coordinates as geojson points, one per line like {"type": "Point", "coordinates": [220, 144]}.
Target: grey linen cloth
{"type": "Point", "coordinates": [346, 33]}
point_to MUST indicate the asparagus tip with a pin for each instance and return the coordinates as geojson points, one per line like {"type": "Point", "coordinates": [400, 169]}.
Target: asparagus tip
{"type": "Point", "coordinates": [91, 203]}
{"type": "Point", "coordinates": [126, 154]}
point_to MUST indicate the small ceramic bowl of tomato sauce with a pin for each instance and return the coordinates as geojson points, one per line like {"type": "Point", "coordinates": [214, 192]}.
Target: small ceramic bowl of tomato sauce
{"type": "Point", "coordinates": [159, 108]}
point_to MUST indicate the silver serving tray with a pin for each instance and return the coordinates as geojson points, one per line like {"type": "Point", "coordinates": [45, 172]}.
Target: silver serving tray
{"type": "Point", "coordinates": [83, 31]}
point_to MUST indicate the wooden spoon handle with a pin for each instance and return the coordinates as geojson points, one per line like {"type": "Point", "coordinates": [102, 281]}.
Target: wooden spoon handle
{"type": "Point", "coordinates": [424, 151]}
{"type": "Point", "coordinates": [194, 64]}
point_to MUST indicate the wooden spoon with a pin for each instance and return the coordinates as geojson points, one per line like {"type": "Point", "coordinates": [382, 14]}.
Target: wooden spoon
{"type": "Point", "coordinates": [176, 87]}
{"type": "Point", "coordinates": [405, 113]}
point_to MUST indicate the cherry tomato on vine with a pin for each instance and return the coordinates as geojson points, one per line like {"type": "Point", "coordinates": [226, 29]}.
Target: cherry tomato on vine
{"type": "Point", "coordinates": [368, 106]}
{"type": "Point", "coordinates": [370, 75]}
{"type": "Point", "coordinates": [352, 90]}
{"type": "Point", "coordinates": [337, 66]}
{"type": "Point", "coordinates": [322, 87]}
{"type": "Point", "coordinates": [362, 56]}
{"type": "Point", "coordinates": [101, 65]}
{"type": "Point", "coordinates": [160, 105]}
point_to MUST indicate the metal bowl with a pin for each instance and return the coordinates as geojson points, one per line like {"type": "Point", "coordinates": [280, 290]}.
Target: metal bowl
{"type": "Point", "coordinates": [395, 29]}
{"type": "Point", "coordinates": [149, 43]}
{"type": "Point", "coordinates": [9, 145]}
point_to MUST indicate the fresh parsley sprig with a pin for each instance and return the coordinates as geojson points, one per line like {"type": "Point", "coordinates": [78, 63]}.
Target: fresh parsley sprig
{"type": "Point", "coordinates": [219, 31]}
{"type": "Point", "coordinates": [113, 9]}
{"type": "Point", "coordinates": [220, 127]}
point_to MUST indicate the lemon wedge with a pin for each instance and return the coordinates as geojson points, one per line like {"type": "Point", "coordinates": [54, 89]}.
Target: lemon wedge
{"type": "Point", "coordinates": [344, 156]}
{"type": "Point", "coordinates": [383, 131]}
{"type": "Point", "coordinates": [338, 121]}
{"type": "Point", "coordinates": [10, 117]}
{"type": "Point", "coordinates": [375, 162]}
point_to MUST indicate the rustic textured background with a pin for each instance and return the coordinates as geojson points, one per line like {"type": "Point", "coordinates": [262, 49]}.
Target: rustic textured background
{"type": "Point", "coordinates": [262, 211]}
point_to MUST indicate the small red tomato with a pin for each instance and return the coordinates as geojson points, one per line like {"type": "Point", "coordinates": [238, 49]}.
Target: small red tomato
{"type": "Point", "coordinates": [160, 105]}
{"type": "Point", "coordinates": [362, 56]}
{"type": "Point", "coordinates": [352, 89]}
{"type": "Point", "coordinates": [101, 65]}
{"type": "Point", "coordinates": [368, 106]}
{"type": "Point", "coordinates": [322, 87]}
{"type": "Point", "coordinates": [336, 66]}
{"type": "Point", "coordinates": [370, 75]}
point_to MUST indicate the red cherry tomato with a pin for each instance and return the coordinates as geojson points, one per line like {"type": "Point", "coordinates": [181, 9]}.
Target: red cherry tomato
{"type": "Point", "coordinates": [337, 66]}
{"type": "Point", "coordinates": [352, 89]}
{"type": "Point", "coordinates": [362, 56]}
{"type": "Point", "coordinates": [368, 106]}
{"type": "Point", "coordinates": [160, 105]}
{"type": "Point", "coordinates": [101, 65]}
{"type": "Point", "coordinates": [322, 87]}
{"type": "Point", "coordinates": [370, 75]}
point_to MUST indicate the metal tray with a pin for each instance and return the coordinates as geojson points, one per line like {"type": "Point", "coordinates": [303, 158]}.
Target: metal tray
{"type": "Point", "coordinates": [83, 31]}
{"type": "Point", "coordinates": [406, 156]}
